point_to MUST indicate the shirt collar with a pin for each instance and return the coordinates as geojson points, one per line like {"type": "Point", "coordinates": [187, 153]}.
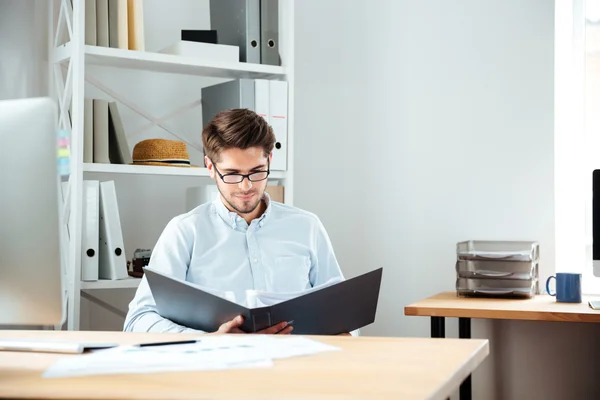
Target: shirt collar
{"type": "Point", "coordinates": [231, 218]}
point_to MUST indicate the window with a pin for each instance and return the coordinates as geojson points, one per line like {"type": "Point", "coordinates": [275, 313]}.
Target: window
{"type": "Point", "coordinates": [591, 127]}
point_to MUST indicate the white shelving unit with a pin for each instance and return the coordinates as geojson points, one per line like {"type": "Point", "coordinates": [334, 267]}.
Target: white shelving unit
{"type": "Point", "coordinates": [158, 170]}
{"type": "Point", "coordinates": [70, 60]}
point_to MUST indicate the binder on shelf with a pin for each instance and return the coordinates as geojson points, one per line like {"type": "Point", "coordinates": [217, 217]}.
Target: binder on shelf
{"type": "Point", "coordinates": [102, 29]}
{"type": "Point", "coordinates": [90, 230]}
{"type": "Point", "coordinates": [90, 22]}
{"type": "Point", "coordinates": [237, 23]}
{"type": "Point", "coordinates": [269, 32]}
{"type": "Point", "coordinates": [278, 119]}
{"type": "Point", "coordinates": [101, 131]}
{"type": "Point", "coordinates": [118, 33]}
{"type": "Point", "coordinates": [135, 17]}
{"type": "Point", "coordinates": [118, 148]}
{"type": "Point", "coordinates": [326, 310]}
{"type": "Point", "coordinates": [261, 98]}
{"type": "Point", "coordinates": [267, 98]}
{"type": "Point", "coordinates": [111, 262]}
{"type": "Point", "coordinates": [88, 130]}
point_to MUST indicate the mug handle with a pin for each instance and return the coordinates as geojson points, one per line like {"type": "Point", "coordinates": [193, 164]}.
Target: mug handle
{"type": "Point", "coordinates": [548, 286]}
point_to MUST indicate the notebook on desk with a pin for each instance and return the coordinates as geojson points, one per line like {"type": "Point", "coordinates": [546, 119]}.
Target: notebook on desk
{"type": "Point", "coordinates": [328, 310]}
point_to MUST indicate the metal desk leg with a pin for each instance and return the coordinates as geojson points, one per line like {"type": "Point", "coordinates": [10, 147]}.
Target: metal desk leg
{"type": "Point", "coordinates": [464, 332]}
{"type": "Point", "coordinates": [438, 327]}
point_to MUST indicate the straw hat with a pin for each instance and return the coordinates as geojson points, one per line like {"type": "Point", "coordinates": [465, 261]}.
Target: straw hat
{"type": "Point", "coordinates": [164, 152]}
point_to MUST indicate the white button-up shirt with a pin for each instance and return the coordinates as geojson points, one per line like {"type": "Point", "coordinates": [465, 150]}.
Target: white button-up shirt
{"type": "Point", "coordinates": [284, 250]}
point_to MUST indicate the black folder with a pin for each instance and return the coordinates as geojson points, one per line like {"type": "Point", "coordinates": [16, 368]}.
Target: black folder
{"type": "Point", "coordinates": [339, 308]}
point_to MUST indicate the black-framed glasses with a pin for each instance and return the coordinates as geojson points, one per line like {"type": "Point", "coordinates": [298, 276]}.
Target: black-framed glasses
{"type": "Point", "coordinates": [238, 178]}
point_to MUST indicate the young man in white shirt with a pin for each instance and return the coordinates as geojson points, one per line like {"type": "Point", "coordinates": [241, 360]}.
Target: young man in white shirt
{"type": "Point", "coordinates": [242, 240]}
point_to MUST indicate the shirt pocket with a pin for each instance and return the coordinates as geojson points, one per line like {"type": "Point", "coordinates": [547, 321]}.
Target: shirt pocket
{"type": "Point", "coordinates": [290, 274]}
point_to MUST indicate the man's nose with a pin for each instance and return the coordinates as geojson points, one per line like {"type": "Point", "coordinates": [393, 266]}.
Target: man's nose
{"type": "Point", "coordinates": [245, 184]}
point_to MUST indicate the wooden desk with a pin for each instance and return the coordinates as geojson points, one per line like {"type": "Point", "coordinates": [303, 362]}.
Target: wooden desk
{"type": "Point", "coordinates": [367, 367]}
{"type": "Point", "coordinates": [540, 308]}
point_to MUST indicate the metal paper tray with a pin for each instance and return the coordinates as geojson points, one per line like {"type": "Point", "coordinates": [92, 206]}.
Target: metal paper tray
{"type": "Point", "coordinates": [497, 250]}
{"type": "Point", "coordinates": [496, 287]}
{"type": "Point", "coordinates": [486, 269]}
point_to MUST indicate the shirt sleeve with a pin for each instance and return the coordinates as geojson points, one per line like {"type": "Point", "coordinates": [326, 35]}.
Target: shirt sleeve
{"type": "Point", "coordinates": [170, 256]}
{"type": "Point", "coordinates": [326, 266]}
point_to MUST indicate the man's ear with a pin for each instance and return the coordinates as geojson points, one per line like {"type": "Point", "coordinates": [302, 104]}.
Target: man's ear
{"type": "Point", "coordinates": [270, 157]}
{"type": "Point", "coordinates": [209, 166]}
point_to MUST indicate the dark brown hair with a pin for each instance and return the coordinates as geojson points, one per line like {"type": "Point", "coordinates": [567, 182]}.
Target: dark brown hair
{"type": "Point", "coordinates": [237, 128]}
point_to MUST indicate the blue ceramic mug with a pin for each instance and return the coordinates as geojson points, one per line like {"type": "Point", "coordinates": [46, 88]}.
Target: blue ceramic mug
{"type": "Point", "coordinates": [568, 287]}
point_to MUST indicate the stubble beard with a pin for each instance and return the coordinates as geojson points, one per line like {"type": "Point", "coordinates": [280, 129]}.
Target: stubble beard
{"type": "Point", "coordinates": [243, 207]}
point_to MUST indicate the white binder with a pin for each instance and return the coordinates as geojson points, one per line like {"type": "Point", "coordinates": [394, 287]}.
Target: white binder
{"type": "Point", "coordinates": [101, 131]}
{"type": "Point", "coordinates": [88, 130]}
{"type": "Point", "coordinates": [111, 263]}
{"type": "Point", "coordinates": [90, 230]}
{"type": "Point", "coordinates": [278, 119]}
{"type": "Point", "coordinates": [102, 30]}
{"type": "Point", "coordinates": [261, 98]}
{"type": "Point", "coordinates": [118, 33]}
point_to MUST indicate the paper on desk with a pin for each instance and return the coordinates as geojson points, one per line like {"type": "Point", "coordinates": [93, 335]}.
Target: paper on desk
{"type": "Point", "coordinates": [277, 347]}
{"type": "Point", "coordinates": [204, 355]}
{"type": "Point", "coordinates": [210, 353]}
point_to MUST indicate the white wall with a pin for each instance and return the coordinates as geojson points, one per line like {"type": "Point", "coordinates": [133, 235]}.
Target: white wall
{"type": "Point", "coordinates": [24, 68]}
{"type": "Point", "coordinates": [421, 124]}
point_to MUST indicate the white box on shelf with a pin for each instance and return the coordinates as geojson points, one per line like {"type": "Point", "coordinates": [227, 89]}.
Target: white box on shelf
{"type": "Point", "coordinates": [205, 51]}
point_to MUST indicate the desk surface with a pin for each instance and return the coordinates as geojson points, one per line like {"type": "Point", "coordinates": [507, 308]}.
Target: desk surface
{"type": "Point", "coordinates": [367, 367]}
{"type": "Point", "coordinates": [540, 308]}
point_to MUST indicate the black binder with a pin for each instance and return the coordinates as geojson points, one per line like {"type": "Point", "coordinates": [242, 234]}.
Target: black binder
{"type": "Point", "coordinates": [343, 307]}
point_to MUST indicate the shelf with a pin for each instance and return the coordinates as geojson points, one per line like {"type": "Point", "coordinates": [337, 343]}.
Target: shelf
{"type": "Point", "coordinates": [157, 170]}
{"type": "Point", "coordinates": [129, 283]}
{"type": "Point", "coordinates": [158, 62]}
{"type": "Point", "coordinates": [144, 169]}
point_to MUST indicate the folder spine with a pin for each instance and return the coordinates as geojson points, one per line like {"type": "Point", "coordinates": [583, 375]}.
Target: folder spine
{"type": "Point", "coordinates": [112, 263]}
{"type": "Point", "coordinates": [269, 32]}
{"type": "Point", "coordinates": [237, 23]}
{"type": "Point", "coordinates": [90, 237]}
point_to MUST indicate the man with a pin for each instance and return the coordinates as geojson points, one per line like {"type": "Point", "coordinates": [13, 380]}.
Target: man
{"type": "Point", "coordinates": [242, 240]}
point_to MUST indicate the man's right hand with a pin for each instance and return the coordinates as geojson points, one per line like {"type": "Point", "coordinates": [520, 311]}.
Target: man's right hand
{"type": "Point", "coordinates": [233, 326]}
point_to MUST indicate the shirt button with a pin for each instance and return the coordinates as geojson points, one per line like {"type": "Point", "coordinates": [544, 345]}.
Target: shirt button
{"type": "Point", "coordinates": [255, 260]}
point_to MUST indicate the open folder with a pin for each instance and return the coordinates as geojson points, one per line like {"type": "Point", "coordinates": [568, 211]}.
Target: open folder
{"type": "Point", "coordinates": [325, 310]}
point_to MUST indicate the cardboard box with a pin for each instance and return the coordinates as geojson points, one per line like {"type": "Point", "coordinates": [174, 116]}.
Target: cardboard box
{"type": "Point", "coordinates": [276, 192]}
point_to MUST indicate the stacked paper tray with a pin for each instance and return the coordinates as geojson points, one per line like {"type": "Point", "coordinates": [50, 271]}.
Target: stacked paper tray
{"type": "Point", "coordinates": [497, 268]}
{"type": "Point", "coordinates": [483, 269]}
{"type": "Point", "coordinates": [498, 250]}
{"type": "Point", "coordinates": [496, 287]}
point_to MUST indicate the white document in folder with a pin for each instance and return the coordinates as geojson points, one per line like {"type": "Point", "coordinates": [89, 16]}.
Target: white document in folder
{"type": "Point", "coordinates": [260, 298]}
